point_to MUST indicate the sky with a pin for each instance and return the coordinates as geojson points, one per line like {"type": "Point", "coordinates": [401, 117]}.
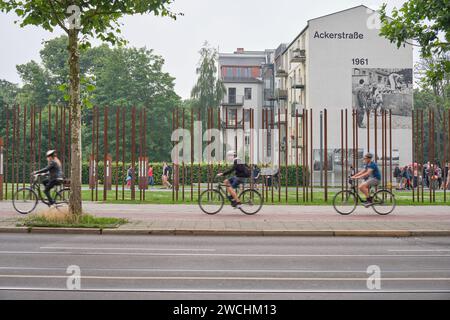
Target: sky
{"type": "Point", "coordinates": [225, 24]}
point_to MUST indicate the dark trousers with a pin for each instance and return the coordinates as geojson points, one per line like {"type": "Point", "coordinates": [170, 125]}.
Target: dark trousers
{"type": "Point", "coordinates": [49, 185]}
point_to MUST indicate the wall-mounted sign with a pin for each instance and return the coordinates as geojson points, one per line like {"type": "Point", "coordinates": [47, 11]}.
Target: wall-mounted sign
{"type": "Point", "coordinates": [93, 176]}
{"type": "Point", "coordinates": [107, 181]}
{"type": "Point", "coordinates": [142, 173]}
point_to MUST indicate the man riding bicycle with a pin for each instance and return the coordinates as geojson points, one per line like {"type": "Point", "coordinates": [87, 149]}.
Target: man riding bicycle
{"type": "Point", "coordinates": [372, 172]}
{"type": "Point", "coordinates": [55, 175]}
{"type": "Point", "coordinates": [241, 172]}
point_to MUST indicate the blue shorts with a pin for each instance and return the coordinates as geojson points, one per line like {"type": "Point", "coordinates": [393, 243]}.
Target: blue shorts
{"type": "Point", "coordinates": [235, 182]}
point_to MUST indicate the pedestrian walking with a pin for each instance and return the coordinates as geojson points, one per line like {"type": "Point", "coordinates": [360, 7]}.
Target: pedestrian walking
{"type": "Point", "coordinates": [129, 176]}
{"type": "Point", "coordinates": [398, 177]}
{"type": "Point", "coordinates": [166, 176]}
{"type": "Point", "coordinates": [151, 181]}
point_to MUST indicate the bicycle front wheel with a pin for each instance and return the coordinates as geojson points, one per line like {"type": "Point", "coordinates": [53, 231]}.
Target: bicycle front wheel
{"type": "Point", "coordinates": [251, 202]}
{"type": "Point", "coordinates": [345, 202]}
{"type": "Point", "coordinates": [211, 201]}
{"type": "Point", "coordinates": [384, 202]}
{"type": "Point", "coordinates": [25, 200]}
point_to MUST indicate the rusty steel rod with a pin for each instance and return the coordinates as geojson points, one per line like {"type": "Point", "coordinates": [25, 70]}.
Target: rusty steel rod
{"type": "Point", "coordinates": [7, 151]}
{"type": "Point", "coordinates": [105, 152]}
{"type": "Point", "coordinates": [296, 154]}
{"type": "Point", "coordinates": [325, 154]}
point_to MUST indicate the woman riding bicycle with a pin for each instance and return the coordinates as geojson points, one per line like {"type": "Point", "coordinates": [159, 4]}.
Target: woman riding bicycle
{"type": "Point", "coordinates": [55, 175]}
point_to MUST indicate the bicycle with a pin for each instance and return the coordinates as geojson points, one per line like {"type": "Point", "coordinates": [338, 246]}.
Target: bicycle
{"type": "Point", "coordinates": [25, 200]}
{"type": "Point", "coordinates": [345, 202]}
{"type": "Point", "coordinates": [211, 201]}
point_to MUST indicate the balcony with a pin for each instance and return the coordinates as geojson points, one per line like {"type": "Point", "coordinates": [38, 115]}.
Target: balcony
{"type": "Point", "coordinates": [281, 94]}
{"type": "Point", "coordinates": [297, 83]}
{"type": "Point", "coordinates": [232, 124]}
{"type": "Point", "coordinates": [269, 95]}
{"type": "Point", "coordinates": [298, 55]}
{"type": "Point", "coordinates": [297, 108]}
{"type": "Point", "coordinates": [233, 101]}
{"type": "Point", "coordinates": [281, 73]}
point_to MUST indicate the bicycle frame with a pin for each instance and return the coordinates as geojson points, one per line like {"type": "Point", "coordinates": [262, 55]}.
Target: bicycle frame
{"type": "Point", "coordinates": [36, 187]}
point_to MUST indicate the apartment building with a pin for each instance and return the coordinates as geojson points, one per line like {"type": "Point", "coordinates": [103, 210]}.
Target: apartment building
{"type": "Point", "coordinates": [331, 61]}
{"type": "Point", "coordinates": [248, 79]}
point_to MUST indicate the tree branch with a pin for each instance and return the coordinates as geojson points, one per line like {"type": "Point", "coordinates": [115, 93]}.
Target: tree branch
{"type": "Point", "coordinates": [56, 17]}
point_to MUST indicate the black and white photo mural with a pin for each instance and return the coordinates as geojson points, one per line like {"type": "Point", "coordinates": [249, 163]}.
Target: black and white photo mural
{"type": "Point", "coordinates": [377, 89]}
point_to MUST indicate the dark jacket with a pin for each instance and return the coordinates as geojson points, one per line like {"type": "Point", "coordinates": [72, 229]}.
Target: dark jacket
{"type": "Point", "coordinates": [54, 170]}
{"type": "Point", "coordinates": [241, 170]}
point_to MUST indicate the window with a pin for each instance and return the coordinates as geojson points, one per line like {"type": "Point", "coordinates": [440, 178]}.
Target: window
{"type": "Point", "coordinates": [231, 95]}
{"type": "Point", "coordinates": [248, 93]}
{"type": "Point", "coordinates": [232, 117]}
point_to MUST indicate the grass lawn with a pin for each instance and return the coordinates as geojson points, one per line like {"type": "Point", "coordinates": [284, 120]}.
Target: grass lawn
{"type": "Point", "coordinates": [166, 197]}
{"type": "Point", "coordinates": [55, 220]}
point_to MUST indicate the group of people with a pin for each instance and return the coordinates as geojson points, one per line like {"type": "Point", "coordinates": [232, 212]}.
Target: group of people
{"type": "Point", "coordinates": [432, 176]}
{"type": "Point", "coordinates": [165, 178]}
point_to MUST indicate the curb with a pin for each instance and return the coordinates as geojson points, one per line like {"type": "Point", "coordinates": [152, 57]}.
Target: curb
{"type": "Point", "coordinates": [212, 232]}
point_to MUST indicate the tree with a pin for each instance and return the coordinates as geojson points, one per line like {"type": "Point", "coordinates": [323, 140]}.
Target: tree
{"type": "Point", "coordinates": [88, 19]}
{"type": "Point", "coordinates": [209, 89]}
{"type": "Point", "coordinates": [428, 24]}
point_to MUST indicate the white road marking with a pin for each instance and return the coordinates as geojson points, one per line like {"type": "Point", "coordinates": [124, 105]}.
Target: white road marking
{"type": "Point", "coordinates": [228, 291]}
{"type": "Point", "coordinates": [241, 255]}
{"type": "Point", "coordinates": [384, 279]}
{"type": "Point", "coordinates": [421, 250]}
{"type": "Point", "coordinates": [131, 249]}
{"type": "Point", "coordinates": [224, 270]}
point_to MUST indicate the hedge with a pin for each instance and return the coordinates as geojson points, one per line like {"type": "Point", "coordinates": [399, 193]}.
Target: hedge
{"type": "Point", "coordinates": [203, 169]}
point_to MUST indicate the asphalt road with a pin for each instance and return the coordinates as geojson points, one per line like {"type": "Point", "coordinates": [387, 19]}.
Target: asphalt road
{"type": "Point", "coordinates": [34, 266]}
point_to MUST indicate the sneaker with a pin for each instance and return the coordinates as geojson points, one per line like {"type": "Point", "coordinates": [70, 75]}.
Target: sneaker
{"type": "Point", "coordinates": [234, 203]}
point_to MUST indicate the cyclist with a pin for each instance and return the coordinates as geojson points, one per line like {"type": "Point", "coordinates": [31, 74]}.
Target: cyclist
{"type": "Point", "coordinates": [372, 172]}
{"type": "Point", "coordinates": [55, 175]}
{"type": "Point", "coordinates": [241, 171]}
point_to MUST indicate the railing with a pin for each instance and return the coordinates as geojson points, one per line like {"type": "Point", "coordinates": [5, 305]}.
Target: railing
{"type": "Point", "coordinates": [281, 94]}
{"type": "Point", "coordinates": [298, 55]}
{"type": "Point", "coordinates": [233, 100]}
{"type": "Point", "coordinates": [297, 83]}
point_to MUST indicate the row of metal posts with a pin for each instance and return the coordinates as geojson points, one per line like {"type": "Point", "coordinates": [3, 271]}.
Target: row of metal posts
{"type": "Point", "coordinates": [23, 147]}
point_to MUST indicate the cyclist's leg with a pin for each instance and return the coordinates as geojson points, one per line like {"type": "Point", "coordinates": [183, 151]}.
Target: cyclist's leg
{"type": "Point", "coordinates": [365, 189]}
{"type": "Point", "coordinates": [48, 187]}
{"type": "Point", "coordinates": [231, 185]}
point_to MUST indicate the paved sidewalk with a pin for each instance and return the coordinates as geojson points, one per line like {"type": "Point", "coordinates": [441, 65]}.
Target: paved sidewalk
{"type": "Point", "coordinates": [272, 220]}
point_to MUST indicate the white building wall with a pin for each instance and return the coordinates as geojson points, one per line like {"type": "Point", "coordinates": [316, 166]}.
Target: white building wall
{"type": "Point", "coordinates": [330, 67]}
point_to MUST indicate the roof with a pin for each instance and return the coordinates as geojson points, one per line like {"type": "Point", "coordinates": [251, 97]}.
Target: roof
{"type": "Point", "coordinates": [321, 17]}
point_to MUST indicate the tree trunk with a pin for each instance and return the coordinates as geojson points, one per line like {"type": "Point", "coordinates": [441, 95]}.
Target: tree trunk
{"type": "Point", "coordinates": [75, 204]}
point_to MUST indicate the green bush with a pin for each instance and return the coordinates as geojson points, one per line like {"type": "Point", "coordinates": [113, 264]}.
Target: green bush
{"type": "Point", "coordinates": [203, 171]}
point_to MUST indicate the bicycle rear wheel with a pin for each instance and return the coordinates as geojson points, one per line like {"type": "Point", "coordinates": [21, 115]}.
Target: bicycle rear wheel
{"type": "Point", "coordinates": [211, 201]}
{"type": "Point", "coordinates": [62, 199]}
{"type": "Point", "coordinates": [345, 202]}
{"type": "Point", "coordinates": [25, 200]}
{"type": "Point", "coordinates": [251, 202]}
{"type": "Point", "coordinates": [383, 202]}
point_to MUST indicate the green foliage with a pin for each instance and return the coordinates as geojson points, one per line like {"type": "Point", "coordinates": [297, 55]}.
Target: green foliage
{"type": "Point", "coordinates": [208, 92]}
{"type": "Point", "coordinates": [70, 221]}
{"type": "Point", "coordinates": [98, 19]}
{"type": "Point", "coordinates": [112, 77]}
{"type": "Point", "coordinates": [426, 22]}
{"type": "Point", "coordinates": [203, 171]}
